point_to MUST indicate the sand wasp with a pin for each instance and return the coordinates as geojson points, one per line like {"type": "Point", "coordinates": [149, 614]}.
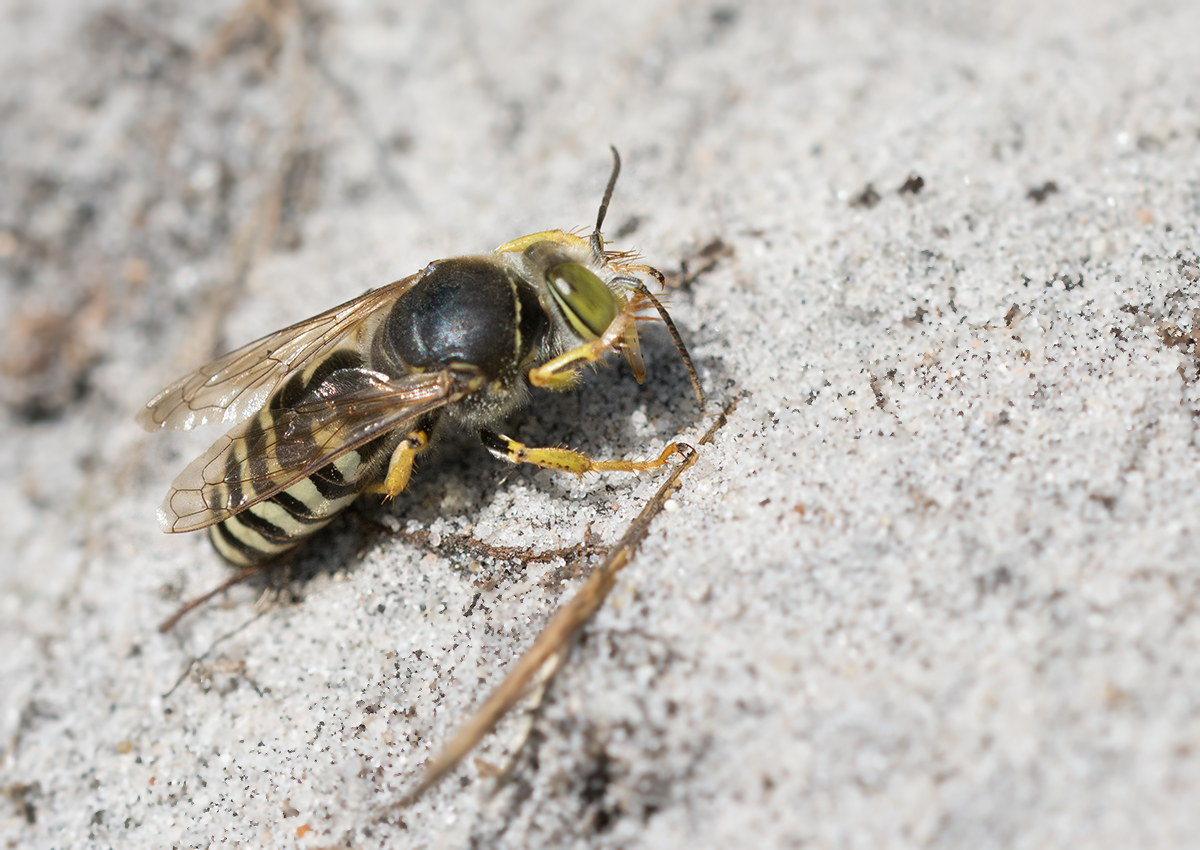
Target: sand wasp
{"type": "Point", "coordinates": [343, 403]}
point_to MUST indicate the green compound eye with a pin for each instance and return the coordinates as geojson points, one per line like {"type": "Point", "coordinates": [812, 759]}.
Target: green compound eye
{"type": "Point", "coordinates": [584, 299]}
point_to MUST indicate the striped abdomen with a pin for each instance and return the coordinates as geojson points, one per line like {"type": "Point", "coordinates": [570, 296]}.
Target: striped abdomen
{"type": "Point", "coordinates": [280, 523]}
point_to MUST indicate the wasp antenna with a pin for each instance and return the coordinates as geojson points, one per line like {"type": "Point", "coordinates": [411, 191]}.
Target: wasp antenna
{"type": "Point", "coordinates": [598, 240]}
{"type": "Point", "coordinates": [683, 352]}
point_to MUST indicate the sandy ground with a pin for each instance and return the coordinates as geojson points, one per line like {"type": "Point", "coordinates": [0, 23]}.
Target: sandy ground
{"type": "Point", "coordinates": [934, 584]}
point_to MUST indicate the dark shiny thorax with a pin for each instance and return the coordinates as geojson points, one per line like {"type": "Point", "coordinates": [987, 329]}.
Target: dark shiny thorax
{"type": "Point", "coordinates": [465, 310]}
{"type": "Point", "coordinates": [468, 313]}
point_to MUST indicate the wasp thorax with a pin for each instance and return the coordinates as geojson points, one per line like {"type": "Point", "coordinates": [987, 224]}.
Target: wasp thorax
{"type": "Point", "coordinates": [465, 311]}
{"type": "Point", "coordinates": [579, 294]}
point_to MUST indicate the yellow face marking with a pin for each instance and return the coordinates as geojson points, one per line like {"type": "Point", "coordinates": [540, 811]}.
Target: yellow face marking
{"type": "Point", "coordinates": [558, 236]}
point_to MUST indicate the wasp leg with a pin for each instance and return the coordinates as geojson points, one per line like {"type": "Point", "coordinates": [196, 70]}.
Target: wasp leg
{"type": "Point", "coordinates": [566, 460]}
{"type": "Point", "coordinates": [238, 578]}
{"type": "Point", "coordinates": [562, 372]}
{"type": "Point", "coordinates": [401, 465]}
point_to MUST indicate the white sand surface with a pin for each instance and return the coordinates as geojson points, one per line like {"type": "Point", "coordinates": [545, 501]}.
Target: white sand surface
{"type": "Point", "coordinates": [934, 584]}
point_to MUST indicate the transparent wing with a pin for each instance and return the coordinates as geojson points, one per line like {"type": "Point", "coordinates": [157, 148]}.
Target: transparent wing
{"type": "Point", "coordinates": [235, 385]}
{"type": "Point", "coordinates": [277, 448]}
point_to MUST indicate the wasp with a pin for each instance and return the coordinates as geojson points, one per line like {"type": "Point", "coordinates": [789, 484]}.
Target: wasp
{"type": "Point", "coordinates": [343, 403]}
